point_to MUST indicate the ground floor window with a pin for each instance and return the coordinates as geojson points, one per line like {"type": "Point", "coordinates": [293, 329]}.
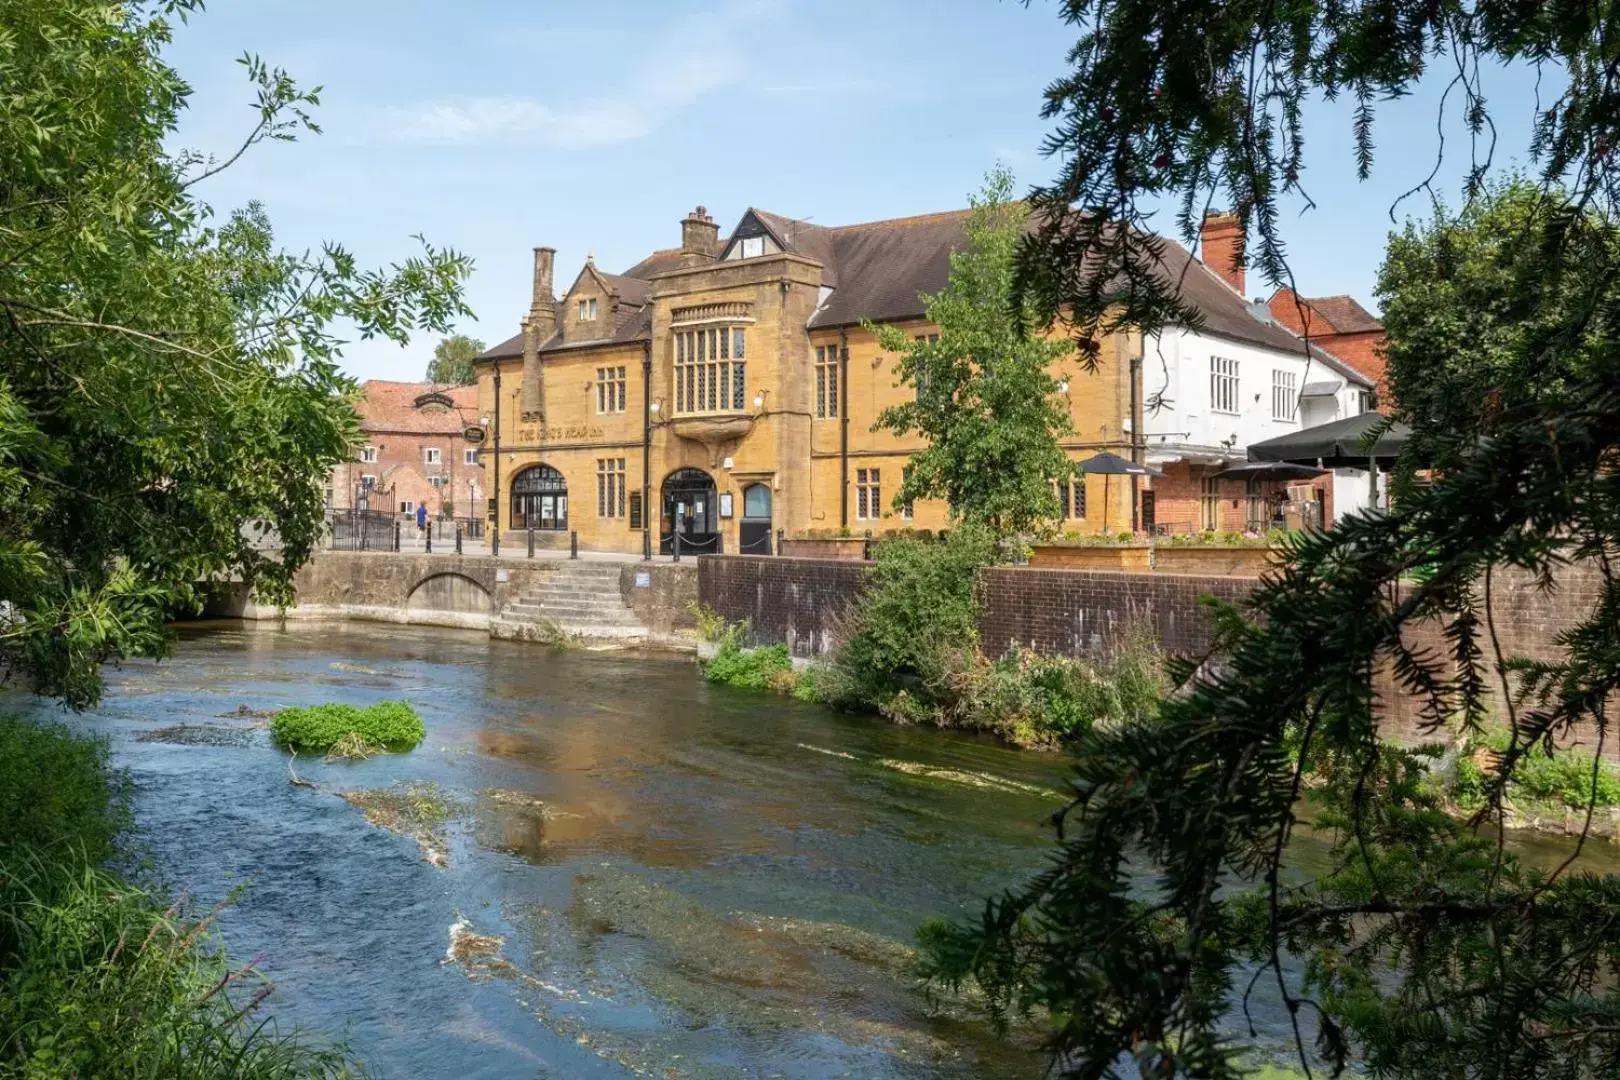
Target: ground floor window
{"type": "Point", "coordinates": [610, 490]}
{"type": "Point", "coordinates": [909, 508]}
{"type": "Point", "coordinates": [539, 499]}
{"type": "Point", "coordinates": [868, 495]}
{"type": "Point", "coordinates": [1209, 504]}
{"type": "Point", "coordinates": [1072, 498]}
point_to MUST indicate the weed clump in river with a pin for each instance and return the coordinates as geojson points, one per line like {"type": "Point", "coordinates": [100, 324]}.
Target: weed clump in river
{"type": "Point", "coordinates": [388, 725]}
{"type": "Point", "coordinates": [97, 976]}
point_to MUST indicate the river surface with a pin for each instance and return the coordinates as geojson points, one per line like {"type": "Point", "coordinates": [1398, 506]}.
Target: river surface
{"type": "Point", "coordinates": [688, 881]}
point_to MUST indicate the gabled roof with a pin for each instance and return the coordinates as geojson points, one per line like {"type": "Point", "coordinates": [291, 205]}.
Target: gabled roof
{"type": "Point", "coordinates": [393, 406]}
{"type": "Point", "coordinates": [1342, 314]}
{"type": "Point", "coordinates": [879, 270]}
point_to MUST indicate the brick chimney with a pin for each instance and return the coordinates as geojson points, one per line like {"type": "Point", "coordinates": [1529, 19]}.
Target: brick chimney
{"type": "Point", "coordinates": [699, 234]}
{"type": "Point", "coordinates": [538, 327]}
{"type": "Point", "coordinates": [1220, 246]}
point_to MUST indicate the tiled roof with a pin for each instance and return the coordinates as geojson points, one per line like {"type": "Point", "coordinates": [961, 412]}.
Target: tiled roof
{"type": "Point", "coordinates": [879, 270]}
{"type": "Point", "coordinates": [1345, 314]}
{"type": "Point", "coordinates": [392, 407]}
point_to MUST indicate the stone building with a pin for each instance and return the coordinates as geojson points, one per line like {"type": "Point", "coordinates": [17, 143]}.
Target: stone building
{"type": "Point", "coordinates": [726, 387]}
{"type": "Point", "coordinates": [415, 452]}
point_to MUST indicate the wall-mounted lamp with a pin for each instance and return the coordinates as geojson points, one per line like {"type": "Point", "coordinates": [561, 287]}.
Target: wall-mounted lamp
{"type": "Point", "coordinates": [1063, 386]}
{"type": "Point", "coordinates": [759, 399]}
{"type": "Point", "coordinates": [653, 408]}
{"type": "Point", "coordinates": [726, 464]}
{"type": "Point", "coordinates": [483, 421]}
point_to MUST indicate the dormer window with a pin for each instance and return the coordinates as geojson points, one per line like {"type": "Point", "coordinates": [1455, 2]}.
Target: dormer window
{"type": "Point", "coordinates": [750, 247]}
{"type": "Point", "coordinates": [587, 310]}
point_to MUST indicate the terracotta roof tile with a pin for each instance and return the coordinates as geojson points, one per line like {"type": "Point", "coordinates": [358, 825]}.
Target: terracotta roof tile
{"type": "Point", "coordinates": [1344, 314]}
{"type": "Point", "coordinates": [387, 406]}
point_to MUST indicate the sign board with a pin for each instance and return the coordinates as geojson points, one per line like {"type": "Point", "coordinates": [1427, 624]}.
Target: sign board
{"type": "Point", "coordinates": [643, 579]}
{"type": "Point", "coordinates": [473, 434]}
{"type": "Point", "coordinates": [725, 504]}
{"type": "Point", "coordinates": [503, 575]}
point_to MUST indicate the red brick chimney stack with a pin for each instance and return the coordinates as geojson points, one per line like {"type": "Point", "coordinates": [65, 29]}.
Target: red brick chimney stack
{"type": "Point", "coordinates": [1220, 246]}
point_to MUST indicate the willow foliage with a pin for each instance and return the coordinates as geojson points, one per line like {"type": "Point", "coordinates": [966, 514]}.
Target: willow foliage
{"type": "Point", "coordinates": [1426, 949]}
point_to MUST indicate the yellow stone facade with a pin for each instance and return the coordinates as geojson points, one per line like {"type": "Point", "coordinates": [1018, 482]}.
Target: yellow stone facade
{"type": "Point", "coordinates": [809, 472]}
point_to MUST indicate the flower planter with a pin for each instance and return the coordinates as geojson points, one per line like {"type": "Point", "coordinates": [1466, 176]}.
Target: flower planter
{"type": "Point", "coordinates": [848, 548]}
{"type": "Point", "coordinates": [1130, 558]}
{"type": "Point", "coordinates": [1214, 560]}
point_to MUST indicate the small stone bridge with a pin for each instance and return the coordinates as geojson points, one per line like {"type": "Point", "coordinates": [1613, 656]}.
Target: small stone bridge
{"type": "Point", "coordinates": [587, 597]}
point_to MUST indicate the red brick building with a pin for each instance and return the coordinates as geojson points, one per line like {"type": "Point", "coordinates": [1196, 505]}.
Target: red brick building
{"type": "Point", "coordinates": [1341, 326]}
{"type": "Point", "coordinates": [415, 453]}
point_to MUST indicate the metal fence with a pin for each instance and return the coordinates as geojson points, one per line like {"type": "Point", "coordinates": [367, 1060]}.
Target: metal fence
{"type": "Point", "coordinates": [360, 530]}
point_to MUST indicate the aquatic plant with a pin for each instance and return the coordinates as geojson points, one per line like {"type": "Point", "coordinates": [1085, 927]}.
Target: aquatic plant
{"type": "Point", "coordinates": [418, 809]}
{"type": "Point", "coordinates": [98, 977]}
{"type": "Point", "coordinates": [765, 668]}
{"type": "Point", "coordinates": [711, 625]}
{"type": "Point", "coordinates": [391, 725]}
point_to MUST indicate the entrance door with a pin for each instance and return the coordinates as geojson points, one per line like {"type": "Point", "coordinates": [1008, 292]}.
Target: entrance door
{"type": "Point", "coordinates": [690, 505]}
{"type": "Point", "coordinates": [755, 535]}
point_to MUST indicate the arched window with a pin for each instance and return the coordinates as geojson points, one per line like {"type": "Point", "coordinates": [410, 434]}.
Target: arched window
{"type": "Point", "coordinates": [539, 499]}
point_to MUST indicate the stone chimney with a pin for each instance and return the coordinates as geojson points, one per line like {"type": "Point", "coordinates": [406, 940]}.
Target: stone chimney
{"type": "Point", "coordinates": [538, 327]}
{"type": "Point", "coordinates": [1220, 246]}
{"type": "Point", "coordinates": [699, 234]}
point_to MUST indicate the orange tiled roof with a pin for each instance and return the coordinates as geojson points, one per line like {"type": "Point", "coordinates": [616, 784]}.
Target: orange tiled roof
{"type": "Point", "coordinates": [412, 408]}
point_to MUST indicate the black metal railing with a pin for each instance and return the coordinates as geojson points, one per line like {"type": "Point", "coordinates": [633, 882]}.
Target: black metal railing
{"type": "Point", "coordinates": [360, 530]}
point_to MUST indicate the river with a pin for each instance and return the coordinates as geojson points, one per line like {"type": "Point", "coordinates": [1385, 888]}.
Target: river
{"type": "Point", "coordinates": [688, 881]}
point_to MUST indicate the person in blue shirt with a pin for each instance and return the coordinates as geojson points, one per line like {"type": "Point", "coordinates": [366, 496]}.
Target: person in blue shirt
{"type": "Point", "coordinates": [421, 518]}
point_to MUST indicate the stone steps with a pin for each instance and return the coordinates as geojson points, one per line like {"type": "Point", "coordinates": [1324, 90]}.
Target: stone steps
{"type": "Point", "coordinates": [581, 600]}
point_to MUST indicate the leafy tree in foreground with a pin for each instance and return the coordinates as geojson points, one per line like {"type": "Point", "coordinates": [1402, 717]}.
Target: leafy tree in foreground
{"type": "Point", "coordinates": [986, 400]}
{"type": "Point", "coordinates": [1427, 949]}
{"type": "Point", "coordinates": [168, 382]}
{"type": "Point", "coordinates": [452, 361]}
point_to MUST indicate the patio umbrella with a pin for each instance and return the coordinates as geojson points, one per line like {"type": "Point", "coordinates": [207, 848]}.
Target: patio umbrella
{"type": "Point", "coordinates": [1336, 444]}
{"type": "Point", "coordinates": [1107, 465]}
{"type": "Point", "coordinates": [1268, 470]}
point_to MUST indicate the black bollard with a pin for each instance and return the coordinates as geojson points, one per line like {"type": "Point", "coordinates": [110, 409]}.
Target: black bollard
{"type": "Point", "coordinates": [531, 541]}
{"type": "Point", "coordinates": [646, 545]}
{"type": "Point", "coordinates": [458, 538]}
{"type": "Point", "coordinates": [429, 547]}
{"type": "Point", "coordinates": [396, 536]}
{"type": "Point", "coordinates": [573, 543]}
{"type": "Point", "coordinates": [675, 545]}
{"type": "Point", "coordinates": [778, 541]}
{"type": "Point", "coordinates": [866, 546]}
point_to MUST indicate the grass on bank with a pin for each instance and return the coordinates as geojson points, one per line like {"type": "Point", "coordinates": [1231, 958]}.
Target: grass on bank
{"type": "Point", "coordinates": [391, 726]}
{"type": "Point", "coordinates": [99, 977]}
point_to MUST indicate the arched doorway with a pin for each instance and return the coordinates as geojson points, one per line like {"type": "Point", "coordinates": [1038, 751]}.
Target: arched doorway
{"type": "Point", "coordinates": [539, 499]}
{"type": "Point", "coordinates": [754, 537]}
{"type": "Point", "coordinates": [691, 506]}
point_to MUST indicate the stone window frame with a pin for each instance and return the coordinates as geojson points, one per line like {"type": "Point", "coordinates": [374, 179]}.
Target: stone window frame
{"type": "Point", "coordinates": [432, 455]}
{"type": "Point", "coordinates": [469, 456]}
{"type": "Point", "coordinates": [587, 309]}
{"type": "Point", "coordinates": [869, 493]}
{"type": "Point", "coordinates": [612, 389]}
{"type": "Point", "coordinates": [826, 382]}
{"type": "Point", "coordinates": [707, 384]}
{"type": "Point", "coordinates": [917, 379]}
{"type": "Point", "coordinates": [368, 455]}
{"type": "Point", "coordinates": [611, 488]}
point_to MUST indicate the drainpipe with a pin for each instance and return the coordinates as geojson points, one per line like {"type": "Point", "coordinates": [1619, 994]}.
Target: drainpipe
{"type": "Point", "coordinates": [646, 444]}
{"type": "Point", "coordinates": [1136, 434]}
{"type": "Point", "coordinates": [495, 529]}
{"type": "Point", "coordinates": [843, 430]}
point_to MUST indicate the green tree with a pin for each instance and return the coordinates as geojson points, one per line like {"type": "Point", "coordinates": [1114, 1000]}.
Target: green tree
{"type": "Point", "coordinates": [169, 390]}
{"type": "Point", "coordinates": [1426, 948]}
{"type": "Point", "coordinates": [452, 361]}
{"type": "Point", "coordinates": [986, 399]}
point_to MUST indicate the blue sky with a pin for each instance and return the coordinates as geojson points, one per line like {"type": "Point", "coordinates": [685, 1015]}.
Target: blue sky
{"type": "Point", "coordinates": [493, 126]}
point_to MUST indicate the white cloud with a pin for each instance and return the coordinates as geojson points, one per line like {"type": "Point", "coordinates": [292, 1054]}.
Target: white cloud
{"type": "Point", "coordinates": [687, 62]}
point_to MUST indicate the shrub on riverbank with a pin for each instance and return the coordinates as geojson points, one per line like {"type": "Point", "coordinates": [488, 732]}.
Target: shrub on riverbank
{"type": "Point", "coordinates": [1568, 779]}
{"type": "Point", "coordinates": [765, 668]}
{"type": "Point", "coordinates": [97, 976]}
{"type": "Point", "coordinates": [388, 725]}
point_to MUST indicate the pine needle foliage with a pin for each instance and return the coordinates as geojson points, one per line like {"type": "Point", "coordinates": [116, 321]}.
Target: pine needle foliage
{"type": "Point", "coordinates": [1427, 948]}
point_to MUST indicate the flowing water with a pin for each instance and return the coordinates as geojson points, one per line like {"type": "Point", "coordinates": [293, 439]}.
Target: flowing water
{"type": "Point", "coordinates": [687, 881]}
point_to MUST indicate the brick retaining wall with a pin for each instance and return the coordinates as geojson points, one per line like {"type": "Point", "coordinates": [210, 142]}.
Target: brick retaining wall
{"type": "Point", "coordinates": [802, 602]}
